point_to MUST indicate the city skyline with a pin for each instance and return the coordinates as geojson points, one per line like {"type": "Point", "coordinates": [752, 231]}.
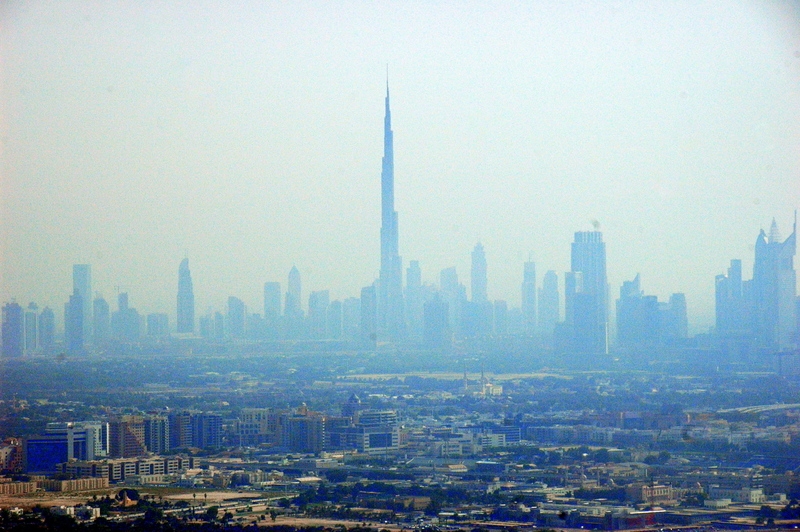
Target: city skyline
{"type": "Point", "coordinates": [130, 166]}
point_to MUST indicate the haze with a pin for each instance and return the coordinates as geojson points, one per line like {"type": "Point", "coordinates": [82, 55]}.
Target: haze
{"type": "Point", "coordinates": [248, 136]}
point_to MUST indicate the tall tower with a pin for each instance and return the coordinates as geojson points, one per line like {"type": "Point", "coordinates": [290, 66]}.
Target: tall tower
{"type": "Point", "coordinates": [82, 285]}
{"type": "Point", "coordinates": [185, 299]}
{"type": "Point", "coordinates": [549, 313]}
{"type": "Point", "coordinates": [529, 297]}
{"type": "Point", "coordinates": [587, 296]}
{"type": "Point", "coordinates": [478, 275]}
{"type": "Point", "coordinates": [390, 284]}
{"type": "Point", "coordinates": [293, 293]}
{"type": "Point", "coordinates": [774, 289]}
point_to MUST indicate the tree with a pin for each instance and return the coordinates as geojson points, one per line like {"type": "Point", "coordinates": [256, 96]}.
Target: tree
{"type": "Point", "coordinates": [212, 512]}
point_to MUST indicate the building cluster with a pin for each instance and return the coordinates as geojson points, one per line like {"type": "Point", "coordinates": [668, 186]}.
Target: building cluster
{"type": "Point", "coordinates": [760, 314]}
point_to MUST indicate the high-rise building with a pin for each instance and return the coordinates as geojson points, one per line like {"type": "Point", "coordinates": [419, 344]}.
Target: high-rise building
{"type": "Point", "coordinates": [549, 312]}
{"type": "Point", "coordinates": [529, 297]}
{"type": "Point", "coordinates": [436, 323]}
{"type": "Point", "coordinates": [13, 330]}
{"type": "Point", "coordinates": [63, 442]}
{"type": "Point", "coordinates": [206, 430]}
{"type": "Point", "coordinates": [272, 309]}
{"type": "Point", "coordinates": [351, 318]}
{"type": "Point", "coordinates": [369, 315]}
{"type": "Point", "coordinates": [185, 299]}
{"type": "Point", "coordinates": [587, 297]}
{"type": "Point", "coordinates": [82, 285]}
{"type": "Point", "coordinates": [335, 320]}
{"type": "Point", "coordinates": [125, 322]}
{"type": "Point", "coordinates": [158, 325]}
{"type": "Point", "coordinates": [293, 312]}
{"type": "Point", "coordinates": [761, 313]}
{"type": "Point", "coordinates": [318, 303]}
{"type": "Point", "coordinates": [414, 301]}
{"type": "Point", "coordinates": [294, 293]}
{"type": "Point", "coordinates": [126, 437]}
{"type": "Point", "coordinates": [237, 317]}
{"type": "Point", "coordinates": [731, 311]}
{"type": "Point", "coordinates": [455, 295]}
{"type": "Point", "coordinates": [73, 324]}
{"type": "Point", "coordinates": [478, 275]}
{"type": "Point", "coordinates": [31, 328]}
{"type": "Point", "coordinates": [156, 433]}
{"type": "Point", "coordinates": [47, 329]}
{"type": "Point", "coordinates": [391, 322]}
{"type": "Point", "coordinates": [500, 321]}
{"type": "Point", "coordinates": [102, 320]}
{"type": "Point", "coordinates": [774, 290]}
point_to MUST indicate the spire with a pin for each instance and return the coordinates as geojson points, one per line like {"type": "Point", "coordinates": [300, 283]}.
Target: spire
{"type": "Point", "coordinates": [774, 234]}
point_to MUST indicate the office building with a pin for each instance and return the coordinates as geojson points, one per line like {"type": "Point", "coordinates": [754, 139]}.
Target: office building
{"type": "Point", "coordinates": [206, 430]}
{"type": "Point", "coordinates": [102, 320]}
{"type": "Point", "coordinates": [31, 329]}
{"type": "Point", "coordinates": [272, 309]}
{"type": "Point", "coordinates": [62, 442]}
{"type": "Point", "coordinates": [436, 323]}
{"type": "Point", "coordinates": [126, 437]}
{"type": "Point", "coordinates": [292, 310]}
{"type": "Point", "coordinates": [351, 318]}
{"type": "Point", "coordinates": [761, 314]}
{"type": "Point", "coordinates": [528, 290]}
{"type": "Point", "coordinates": [318, 303]}
{"type": "Point", "coordinates": [82, 285]}
{"type": "Point", "coordinates": [414, 301]}
{"type": "Point", "coordinates": [369, 315]}
{"type": "Point", "coordinates": [774, 290]}
{"type": "Point", "coordinates": [587, 295]}
{"type": "Point", "coordinates": [185, 324]}
{"type": "Point", "coordinates": [156, 433]}
{"type": "Point", "coordinates": [237, 317]}
{"type": "Point", "coordinates": [549, 308]}
{"type": "Point", "coordinates": [158, 325]}
{"type": "Point", "coordinates": [478, 275]}
{"type": "Point", "coordinates": [125, 322]}
{"type": "Point", "coordinates": [334, 320]}
{"type": "Point", "coordinates": [13, 330]}
{"type": "Point", "coordinates": [73, 324]}
{"type": "Point", "coordinates": [47, 329]}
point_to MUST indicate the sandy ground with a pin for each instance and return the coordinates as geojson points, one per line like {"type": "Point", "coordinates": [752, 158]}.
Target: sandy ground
{"type": "Point", "coordinates": [45, 500]}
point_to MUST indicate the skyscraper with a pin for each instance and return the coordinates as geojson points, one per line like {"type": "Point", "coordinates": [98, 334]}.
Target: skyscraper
{"type": "Point", "coordinates": [318, 303]}
{"type": "Point", "coordinates": [529, 297]}
{"type": "Point", "coordinates": [185, 299]}
{"type": "Point", "coordinates": [292, 310]}
{"type": "Point", "coordinates": [102, 320]}
{"type": "Point", "coordinates": [82, 285]}
{"type": "Point", "coordinates": [47, 329]}
{"type": "Point", "coordinates": [414, 301]}
{"type": "Point", "coordinates": [774, 289]}
{"type": "Point", "coordinates": [390, 284]}
{"type": "Point", "coordinates": [13, 330]}
{"type": "Point", "coordinates": [272, 309]}
{"type": "Point", "coordinates": [272, 299]}
{"type": "Point", "coordinates": [237, 317]}
{"type": "Point", "coordinates": [293, 292]}
{"type": "Point", "coordinates": [549, 313]}
{"type": "Point", "coordinates": [478, 275]}
{"type": "Point", "coordinates": [31, 328]}
{"type": "Point", "coordinates": [73, 324]}
{"type": "Point", "coordinates": [587, 296]}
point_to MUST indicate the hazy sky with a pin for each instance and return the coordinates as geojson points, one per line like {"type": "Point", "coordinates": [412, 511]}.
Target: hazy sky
{"type": "Point", "coordinates": [249, 135]}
